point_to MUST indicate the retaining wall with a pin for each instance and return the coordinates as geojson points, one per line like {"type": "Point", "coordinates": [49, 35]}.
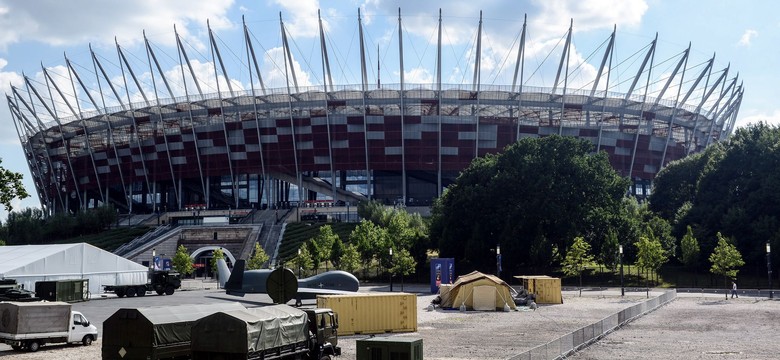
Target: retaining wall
{"type": "Point", "coordinates": [586, 335]}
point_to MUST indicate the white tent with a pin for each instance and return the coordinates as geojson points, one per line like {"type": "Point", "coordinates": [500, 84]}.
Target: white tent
{"type": "Point", "coordinates": [30, 263]}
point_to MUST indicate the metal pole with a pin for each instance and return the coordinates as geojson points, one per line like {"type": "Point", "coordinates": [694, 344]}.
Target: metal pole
{"type": "Point", "coordinates": [769, 269]}
{"type": "Point", "coordinates": [622, 289]}
{"type": "Point", "coordinates": [391, 271]}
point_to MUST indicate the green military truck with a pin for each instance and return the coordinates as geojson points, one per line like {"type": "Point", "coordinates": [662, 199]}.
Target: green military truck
{"type": "Point", "coordinates": [270, 332]}
{"type": "Point", "coordinates": [159, 281]}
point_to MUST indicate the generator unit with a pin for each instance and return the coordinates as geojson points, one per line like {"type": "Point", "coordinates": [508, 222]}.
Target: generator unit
{"type": "Point", "coordinates": [390, 348]}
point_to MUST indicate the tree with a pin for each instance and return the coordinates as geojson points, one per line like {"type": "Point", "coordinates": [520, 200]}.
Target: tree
{"type": "Point", "coordinates": [369, 238]}
{"type": "Point", "coordinates": [725, 260]}
{"type": "Point", "coordinates": [322, 245]}
{"type": "Point", "coordinates": [259, 257]}
{"type": "Point", "coordinates": [350, 258]}
{"type": "Point", "coordinates": [577, 258]}
{"type": "Point", "coordinates": [182, 262]}
{"type": "Point", "coordinates": [303, 261]}
{"type": "Point", "coordinates": [650, 254]}
{"type": "Point", "coordinates": [216, 255]}
{"type": "Point", "coordinates": [689, 249]}
{"type": "Point", "coordinates": [335, 253]}
{"type": "Point", "coordinates": [534, 197]}
{"type": "Point", "coordinates": [402, 264]}
{"type": "Point", "coordinates": [11, 187]}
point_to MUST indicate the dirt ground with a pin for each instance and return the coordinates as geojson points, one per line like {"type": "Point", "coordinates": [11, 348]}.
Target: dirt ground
{"type": "Point", "coordinates": [693, 327]}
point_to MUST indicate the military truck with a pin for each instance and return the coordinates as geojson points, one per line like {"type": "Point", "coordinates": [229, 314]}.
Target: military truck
{"type": "Point", "coordinates": [159, 281]}
{"type": "Point", "coordinates": [153, 333]}
{"type": "Point", "coordinates": [30, 325]}
{"type": "Point", "coordinates": [11, 291]}
{"type": "Point", "coordinates": [270, 332]}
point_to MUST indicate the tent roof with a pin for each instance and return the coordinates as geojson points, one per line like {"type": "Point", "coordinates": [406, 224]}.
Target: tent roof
{"type": "Point", "coordinates": [476, 275]}
{"type": "Point", "coordinates": [15, 257]}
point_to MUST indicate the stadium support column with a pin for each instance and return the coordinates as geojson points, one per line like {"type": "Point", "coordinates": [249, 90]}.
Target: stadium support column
{"type": "Point", "coordinates": [651, 57]}
{"type": "Point", "coordinates": [288, 68]}
{"type": "Point", "coordinates": [214, 57]}
{"type": "Point", "coordinates": [438, 107]}
{"type": "Point", "coordinates": [364, 79]}
{"type": "Point", "coordinates": [706, 71]}
{"type": "Point", "coordinates": [151, 57]}
{"type": "Point", "coordinates": [607, 54]}
{"type": "Point", "coordinates": [704, 99]}
{"type": "Point", "coordinates": [326, 78]}
{"type": "Point", "coordinates": [96, 64]}
{"type": "Point", "coordinates": [250, 53]}
{"type": "Point", "coordinates": [183, 53]}
{"type": "Point", "coordinates": [476, 84]}
{"type": "Point", "coordinates": [684, 63]}
{"type": "Point", "coordinates": [565, 54]}
{"type": "Point", "coordinates": [724, 90]}
{"type": "Point", "coordinates": [134, 131]}
{"type": "Point", "coordinates": [520, 66]}
{"type": "Point", "coordinates": [403, 107]}
{"type": "Point", "coordinates": [72, 72]}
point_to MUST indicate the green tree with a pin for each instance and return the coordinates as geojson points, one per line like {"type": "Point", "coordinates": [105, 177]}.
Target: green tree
{"type": "Point", "coordinates": [350, 258]}
{"type": "Point", "coordinates": [11, 187]}
{"type": "Point", "coordinates": [577, 258]}
{"type": "Point", "coordinates": [402, 263]}
{"type": "Point", "coordinates": [725, 260]}
{"type": "Point", "coordinates": [2, 242]}
{"type": "Point", "coordinates": [689, 249]}
{"type": "Point", "coordinates": [303, 261]}
{"type": "Point", "coordinates": [335, 253]}
{"type": "Point", "coordinates": [182, 262]}
{"type": "Point", "coordinates": [369, 238]}
{"type": "Point", "coordinates": [259, 257]}
{"type": "Point", "coordinates": [322, 244]}
{"type": "Point", "coordinates": [216, 255]}
{"type": "Point", "coordinates": [650, 254]}
{"type": "Point", "coordinates": [534, 197]}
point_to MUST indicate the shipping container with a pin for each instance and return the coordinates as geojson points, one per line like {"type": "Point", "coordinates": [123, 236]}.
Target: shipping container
{"type": "Point", "coordinates": [70, 290]}
{"type": "Point", "coordinates": [547, 289]}
{"type": "Point", "coordinates": [373, 313]}
{"type": "Point", "coordinates": [389, 348]}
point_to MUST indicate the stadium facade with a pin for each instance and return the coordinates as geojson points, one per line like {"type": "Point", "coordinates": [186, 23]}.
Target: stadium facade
{"type": "Point", "coordinates": [392, 142]}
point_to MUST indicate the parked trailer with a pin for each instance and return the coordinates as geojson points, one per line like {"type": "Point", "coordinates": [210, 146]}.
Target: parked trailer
{"type": "Point", "coordinates": [152, 333]}
{"type": "Point", "coordinates": [373, 313]}
{"type": "Point", "coordinates": [30, 325]}
{"type": "Point", "coordinates": [159, 281]}
{"type": "Point", "coordinates": [267, 333]}
{"type": "Point", "coordinates": [71, 290]}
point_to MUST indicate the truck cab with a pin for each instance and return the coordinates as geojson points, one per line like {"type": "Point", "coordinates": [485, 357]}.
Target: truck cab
{"type": "Point", "coordinates": [81, 330]}
{"type": "Point", "coordinates": [324, 324]}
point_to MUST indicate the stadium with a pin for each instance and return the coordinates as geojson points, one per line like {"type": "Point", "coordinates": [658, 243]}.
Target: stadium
{"type": "Point", "coordinates": [104, 137]}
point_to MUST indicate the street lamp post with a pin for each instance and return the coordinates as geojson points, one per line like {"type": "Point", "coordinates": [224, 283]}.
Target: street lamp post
{"type": "Point", "coordinates": [299, 262]}
{"type": "Point", "coordinates": [391, 270]}
{"type": "Point", "coordinates": [154, 254]}
{"type": "Point", "coordinates": [769, 268]}
{"type": "Point", "coordinates": [498, 260]}
{"type": "Point", "coordinates": [620, 258]}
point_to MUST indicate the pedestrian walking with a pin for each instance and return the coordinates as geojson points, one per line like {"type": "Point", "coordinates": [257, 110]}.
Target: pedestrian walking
{"type": "Point", "coordinates": [734, 290]}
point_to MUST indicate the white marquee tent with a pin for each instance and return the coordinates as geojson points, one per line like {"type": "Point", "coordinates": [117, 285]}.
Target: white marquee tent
{"type": "Point", "coordinates": [30, 263]}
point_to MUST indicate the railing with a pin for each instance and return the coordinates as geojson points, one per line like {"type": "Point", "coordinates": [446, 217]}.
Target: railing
{"type": "Point", "coordinates": [141, 240]}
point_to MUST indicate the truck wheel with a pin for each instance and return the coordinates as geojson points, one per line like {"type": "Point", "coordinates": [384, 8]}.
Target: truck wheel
{"type": "Point", "coordinates": [160, 292]}
{"type": "Point", "coordinates": [120, 293]}
{"type": "Point", "coordinates": [169, 290]}
{"type": "Point", "coordinates": [130, 292]}
{"type": "Point", "coordinates": [87, 340]}
{"type": "Point", "coordinates": [33, 346]}
{"type": "Point", "coordinates": [140, 291]}
{"type": "Point", "coordinates": [325, 357]}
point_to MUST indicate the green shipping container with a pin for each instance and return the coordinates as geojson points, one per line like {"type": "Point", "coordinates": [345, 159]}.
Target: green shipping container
{"type": "Point", "coordinates": [63, 290]}
{"type": "Point", "coordinates": [390, 348]}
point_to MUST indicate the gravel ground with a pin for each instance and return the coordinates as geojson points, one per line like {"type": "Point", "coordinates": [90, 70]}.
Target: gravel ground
{"type": "Point", "coordinates": [691, 327]}
{"type": "Point", "coordinates": [697, 328]}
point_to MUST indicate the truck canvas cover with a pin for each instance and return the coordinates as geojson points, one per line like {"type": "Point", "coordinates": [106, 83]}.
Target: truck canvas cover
{"type": "Point", "coordinates": [251, 330]}
{"type": "Point", "coordinates": [150, 327]}
{"type": "Point", "coordinates": [19, 318]}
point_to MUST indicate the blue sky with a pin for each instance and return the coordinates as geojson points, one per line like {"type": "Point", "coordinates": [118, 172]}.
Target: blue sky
{"type": "Point", "coordinates": [742, 35]}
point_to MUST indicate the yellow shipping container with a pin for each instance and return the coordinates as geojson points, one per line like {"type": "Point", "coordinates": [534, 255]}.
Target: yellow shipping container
{"type": "Point", "coordinates": [373, 313]}
{"type": "Point", "coordinates": [546, 288]}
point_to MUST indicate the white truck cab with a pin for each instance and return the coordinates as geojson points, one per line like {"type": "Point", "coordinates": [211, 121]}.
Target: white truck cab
{"type": "Point", "coordinates": [81, 331]}
{"type": "Point", "coordinates": [30, 325]}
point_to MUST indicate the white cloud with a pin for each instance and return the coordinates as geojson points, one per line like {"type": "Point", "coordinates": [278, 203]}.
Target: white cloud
{"type": "Point", "coordinates": [274, 72]}
{"type": "Point", "coordinates": [300, 17]}
{"type": "Point", "coordinates": [747, 37]}
{"type": "Point", "coordinates": [61, 23]}
{"type": "Point", "coordinates": [772, 118]}
{"type": "Point", "coordinates": [587, 14]}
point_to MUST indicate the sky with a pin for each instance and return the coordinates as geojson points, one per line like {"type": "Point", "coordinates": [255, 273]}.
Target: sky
{"type": "Point", "coordinates": [743, 37]}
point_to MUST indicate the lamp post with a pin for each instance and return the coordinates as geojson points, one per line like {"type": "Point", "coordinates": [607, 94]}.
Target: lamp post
{"type": "Point", "coordinates": [154, 254]}
{"type": "Point", "coordinates": [299, 262]}
{"type": "Point", "coordinates": [391, 270]}
{"type": "Point", "coordinates": [620, 258]}
{"type": "Point", "coordinates": [769, 268]}
{"type": "Point", "coordinates": [498, 260]}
